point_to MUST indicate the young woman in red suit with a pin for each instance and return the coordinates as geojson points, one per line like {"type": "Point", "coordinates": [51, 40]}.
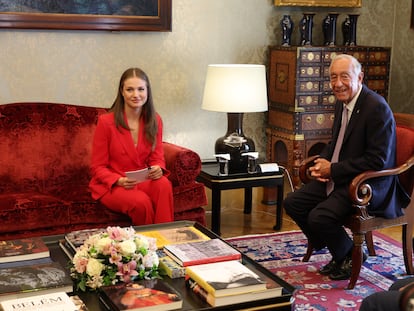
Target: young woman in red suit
{"type": "Point", "coordinates": [129, 138]}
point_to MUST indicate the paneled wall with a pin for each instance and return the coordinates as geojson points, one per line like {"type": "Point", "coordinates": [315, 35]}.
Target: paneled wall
{"type": "Point", "coordinates": [83, 67]}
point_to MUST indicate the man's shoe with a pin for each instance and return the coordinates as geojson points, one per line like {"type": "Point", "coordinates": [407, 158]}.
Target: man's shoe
{"type": "Point", "coordinates": [345, 269]}
{"type": "Point", "coordinates": [329, 268]}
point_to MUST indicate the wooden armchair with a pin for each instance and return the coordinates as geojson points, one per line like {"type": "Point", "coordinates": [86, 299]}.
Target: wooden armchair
{"type": "Point", "coordinates": [361, 223]}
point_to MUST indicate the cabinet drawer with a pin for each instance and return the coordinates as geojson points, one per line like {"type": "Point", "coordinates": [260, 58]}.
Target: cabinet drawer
{"type": "Point", "coordinates": [310, 72]}
{"type": "Point", "coordinates": [308, 86]}
{"type": "Point", "coordinates": [316, 121]}
{"type": "Point", "coordinates": [377, 70]}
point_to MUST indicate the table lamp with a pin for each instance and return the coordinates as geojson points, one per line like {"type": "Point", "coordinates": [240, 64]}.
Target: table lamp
{"type": "Point", "coordinates": [235, 89]}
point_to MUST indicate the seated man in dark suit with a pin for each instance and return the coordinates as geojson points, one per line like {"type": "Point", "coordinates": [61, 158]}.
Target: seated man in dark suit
{"type": "Point", "coordinates": [363, 138]}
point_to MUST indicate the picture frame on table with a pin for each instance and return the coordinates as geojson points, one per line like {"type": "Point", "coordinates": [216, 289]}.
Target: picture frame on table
{"type": "Point", "coordinates": [322, 3]}
{"type": "Point", "coordinates": [143, 15]}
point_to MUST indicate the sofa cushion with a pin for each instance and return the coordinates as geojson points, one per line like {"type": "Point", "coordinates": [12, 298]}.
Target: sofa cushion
{"type": "Point", "coordinates": [87, 211]}
{"type": "Point", "coordinates": [31, 210]}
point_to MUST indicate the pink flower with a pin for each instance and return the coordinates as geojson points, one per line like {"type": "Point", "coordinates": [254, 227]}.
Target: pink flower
{"type": "Point", "coordinates": [114, 233]}
{"type": "Point", "coordinates": [127, 270]}
{"type": "Point", "coordinates": [80, 264]}
{"type": "Point", "coordinates": [115, 257]}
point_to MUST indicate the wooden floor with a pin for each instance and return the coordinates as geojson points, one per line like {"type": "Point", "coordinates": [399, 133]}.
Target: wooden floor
{"type": "Point", "coordinates": [262, 219]}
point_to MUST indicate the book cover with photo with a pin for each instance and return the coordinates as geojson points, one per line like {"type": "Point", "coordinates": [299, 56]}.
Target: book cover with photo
{"type": "Point", "coordinates": [197, 253]}
{"type": "Point", "coordinates": [226, 278]}
{"type": "Point", "coordinates": [23, 249]}
{"type": "Point", "coordinates": [27, 280]}
{"type": "Point", "coordinates": [145, 295]}
{"type": "Point", "coordinates": [177, 235]}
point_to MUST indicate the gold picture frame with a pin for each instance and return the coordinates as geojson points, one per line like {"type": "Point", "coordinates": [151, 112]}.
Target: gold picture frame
{"type": "Point", "coordinates": [322, 3]}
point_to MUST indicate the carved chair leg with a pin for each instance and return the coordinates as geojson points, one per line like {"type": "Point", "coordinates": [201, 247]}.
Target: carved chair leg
{"type": "Point", "coordinates": [370, 243]}
{"type": "Point", "coordinates": [356, 259]}
{"type": "Point", "coordinates": [407, 239]}
{"type": "Point", "coordinates": [309, 252]}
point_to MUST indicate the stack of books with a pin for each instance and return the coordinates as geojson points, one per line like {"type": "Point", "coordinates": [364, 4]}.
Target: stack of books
{"type": "Point", "coordinates": [215, 273]}
{"type": "Point", "coordinates": [229, 282]}
{"type": "Point", "coordinates": [26, 270]}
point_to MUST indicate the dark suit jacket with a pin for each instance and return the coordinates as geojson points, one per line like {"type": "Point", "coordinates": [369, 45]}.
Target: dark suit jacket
{"type": "Point", "coordinates": [369, 144]}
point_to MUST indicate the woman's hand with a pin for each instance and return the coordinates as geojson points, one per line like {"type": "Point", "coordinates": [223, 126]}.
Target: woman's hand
{"type": "Point", "coordinates": [126, 182]}
{"type": "Point", "coordinates": [155, 172]}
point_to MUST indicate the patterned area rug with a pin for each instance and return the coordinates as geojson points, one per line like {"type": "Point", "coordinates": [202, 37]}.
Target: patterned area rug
{"type": "Point", "coordinates": [282, 253]}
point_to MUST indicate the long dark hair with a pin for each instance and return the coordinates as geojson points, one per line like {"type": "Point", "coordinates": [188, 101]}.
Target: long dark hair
{"type": "Point", "coordinates": [148, 110]}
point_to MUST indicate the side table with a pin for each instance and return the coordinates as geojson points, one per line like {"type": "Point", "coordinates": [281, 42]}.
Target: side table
{"type": "Point", "coordinates": [210, 178]}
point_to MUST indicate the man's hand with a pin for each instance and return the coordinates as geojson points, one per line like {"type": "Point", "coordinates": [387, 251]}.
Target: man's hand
{"type": "Point", "coordinates": [321, 170]}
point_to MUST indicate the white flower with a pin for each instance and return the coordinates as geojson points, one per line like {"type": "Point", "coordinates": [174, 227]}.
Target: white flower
{"type": "Point", "coordinates": [94, 267]}
{"type": "Point", "coordinates": [141, 242]}
{"type": "Point", "coordinates": [127, 248]}
{"type": "Point", "coordinates": [103, 245]}
{"type": "Point", "coordinates": [150, 260]}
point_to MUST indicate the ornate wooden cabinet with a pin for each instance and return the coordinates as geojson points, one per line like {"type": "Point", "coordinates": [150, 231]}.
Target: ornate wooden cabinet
{"type": "Point", "coordinates": [301, 107]}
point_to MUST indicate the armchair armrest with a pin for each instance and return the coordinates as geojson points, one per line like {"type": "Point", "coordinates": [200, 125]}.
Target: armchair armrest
{"type": "Point", "coordinates": [304, 174]}
{"type": "Point", "coordinates": [360, 191]}
{"type": "Point", "coordinates": [184, 164]}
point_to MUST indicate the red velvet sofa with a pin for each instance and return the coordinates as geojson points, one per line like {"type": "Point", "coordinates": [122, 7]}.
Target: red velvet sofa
{"type": "Point", "coordinates": [44, 172]}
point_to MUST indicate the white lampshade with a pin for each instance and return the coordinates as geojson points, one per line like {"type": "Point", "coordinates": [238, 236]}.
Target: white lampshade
{"type": "Point", "coordinates": [235, 88]}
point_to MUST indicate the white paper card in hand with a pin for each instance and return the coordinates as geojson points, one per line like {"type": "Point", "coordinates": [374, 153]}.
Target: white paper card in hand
{"type": "Point", "coordinates": [138, 175]}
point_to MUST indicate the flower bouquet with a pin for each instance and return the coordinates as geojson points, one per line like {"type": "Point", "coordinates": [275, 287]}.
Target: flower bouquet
{"type": "Point", "coordinates": [115, 255]}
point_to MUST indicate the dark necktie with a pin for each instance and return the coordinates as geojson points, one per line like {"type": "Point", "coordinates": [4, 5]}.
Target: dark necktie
{"type": "Point", "coordinates": [338, 145]}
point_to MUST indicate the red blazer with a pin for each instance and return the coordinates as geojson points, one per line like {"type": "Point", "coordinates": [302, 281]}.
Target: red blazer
{"type": "Point", "coordinates": [114, 153]}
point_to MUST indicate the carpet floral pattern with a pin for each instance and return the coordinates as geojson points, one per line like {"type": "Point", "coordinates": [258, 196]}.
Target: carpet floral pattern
{"type": "Point", "coordinates": [282, 254]}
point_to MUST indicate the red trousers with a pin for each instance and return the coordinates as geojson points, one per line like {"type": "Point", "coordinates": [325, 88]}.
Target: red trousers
{"type": "Point", "coordinates": [148, 203]}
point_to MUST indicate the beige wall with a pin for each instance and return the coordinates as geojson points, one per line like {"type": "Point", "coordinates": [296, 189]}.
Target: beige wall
{"type": "Point", "coordinates": [83, 67]}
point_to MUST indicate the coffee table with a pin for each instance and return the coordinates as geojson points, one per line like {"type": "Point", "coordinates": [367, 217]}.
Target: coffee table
{"type": "Point", "coordinates": [190, 300]}
{"type": "Point", "coordinates": [210, 178]}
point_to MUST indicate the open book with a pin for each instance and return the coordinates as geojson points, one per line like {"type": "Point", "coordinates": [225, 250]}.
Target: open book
{"type": "Point", "coordinates": [138, 175]}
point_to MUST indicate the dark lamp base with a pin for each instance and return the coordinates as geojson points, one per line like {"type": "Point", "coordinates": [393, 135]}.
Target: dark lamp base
{"type": "Point", "coordinates": [241, 144]}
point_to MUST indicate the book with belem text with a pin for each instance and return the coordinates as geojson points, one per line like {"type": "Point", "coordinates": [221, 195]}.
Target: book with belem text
{"type": "Point", "coordinates": [197, 253]}
{"type": "Point", "coordinates": [28, 280]}
{"type": "Point", "coordinates": [145, 295]}
{"type": "Point", "coordinates": [177, 235]}
{"type": "Point", "coordinates": [23, 249]}
{"type": "Point", "coordinates": [59, 301]}
{"type": "Point", "coordinates": [268, 293]}
{"type": "Point", "coordinates": [226, 278]}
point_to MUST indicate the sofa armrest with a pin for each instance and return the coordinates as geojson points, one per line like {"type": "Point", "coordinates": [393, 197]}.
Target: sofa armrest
{"type": "Point", "coordinates": [183, 163]}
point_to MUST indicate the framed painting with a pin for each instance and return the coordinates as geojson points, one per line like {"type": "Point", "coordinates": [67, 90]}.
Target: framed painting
{"type": "Point", "coordinates": [322, 3]}
{"type": "Point", "coordinates": [412, 14]}
{"type": "Point", "coordinates": [112, 15]}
